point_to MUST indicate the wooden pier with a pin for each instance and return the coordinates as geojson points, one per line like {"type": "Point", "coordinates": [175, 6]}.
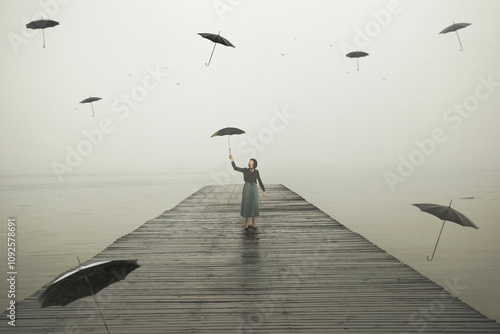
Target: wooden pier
{"type": "Point", "coordinates": [300, 272]}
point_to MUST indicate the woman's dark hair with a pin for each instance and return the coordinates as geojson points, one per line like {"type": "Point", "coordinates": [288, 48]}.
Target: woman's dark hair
{"type": "Point", "coordinates": [254, 163]}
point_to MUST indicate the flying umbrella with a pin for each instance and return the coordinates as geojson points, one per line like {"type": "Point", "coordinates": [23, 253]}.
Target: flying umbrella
{"type": "Point", "coordinates": [91, 99]}
{"type": "Point", "coordinates": [42, 24]}
{"type": "Point", "coordinates": [357, 55]}
{"type": "Point", "coordinates": [455, 27]}
{"type": "Point", "coordinates": [227, 132]}
{"type": "Point", "coordinates": [445, 213]}
{"type": "Point", "coordinates": [85, 281]}
{"type": "Point", "coordinates": [216, 39]}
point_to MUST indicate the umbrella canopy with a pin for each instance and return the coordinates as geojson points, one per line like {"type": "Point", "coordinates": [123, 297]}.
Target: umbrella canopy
{"type": "Point", "coordinates": [357, 55]}
{"type": "Point", "coordinates": [217, 39]}
{"type": "Point", "coordinates": [91, 99]}
{"type": "Point", "coordinates": [42, 24]}
{"type": "Point", "coordinates": [228, 132]}
{"type": "Point", "coordinates": [85, 281]}
{"type": "Point", "coordinates": [446, 213]}
{"type": "Point", "coordinates": [455, 27]}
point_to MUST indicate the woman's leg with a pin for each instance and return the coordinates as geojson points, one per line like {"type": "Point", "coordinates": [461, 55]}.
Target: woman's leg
{"type": "Point", "coordinates": [246, 222]}
{"type": "Point", "coordinates": [253, 222]}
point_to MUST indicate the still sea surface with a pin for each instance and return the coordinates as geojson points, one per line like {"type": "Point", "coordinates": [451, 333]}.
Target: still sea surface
{"type": "Point", "coordinates": [81, 216]}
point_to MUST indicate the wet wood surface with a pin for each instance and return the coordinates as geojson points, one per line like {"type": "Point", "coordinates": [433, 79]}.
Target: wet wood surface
{"type": "Point", "coordinates": [300, 272]}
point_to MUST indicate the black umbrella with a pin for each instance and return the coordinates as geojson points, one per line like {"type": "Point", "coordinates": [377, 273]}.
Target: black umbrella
{"type": "Point", "coordinates": [85, 281]}
{"type": "Point", "coordinates": [216, 39]}
{"type": "Point", "coordinates": [455, 27]}
{"type": "Point", "coordinates": [357, 55]}
{"type": "Point", "coordinates": [90, 100]}
{"type": "Point", "coordinates": [227, 132]}
{"type": "Point", "coordinates": [42, 24]}
{"type": "Point", "coordinates": [445, 213]}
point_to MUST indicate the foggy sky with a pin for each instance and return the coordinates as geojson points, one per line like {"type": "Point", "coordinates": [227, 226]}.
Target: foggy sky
{"type": "Point", "coordinates": [416, 98]}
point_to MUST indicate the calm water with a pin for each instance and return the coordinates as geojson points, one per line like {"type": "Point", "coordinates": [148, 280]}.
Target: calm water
{"type": "Point", "coordinates": [56, 222]}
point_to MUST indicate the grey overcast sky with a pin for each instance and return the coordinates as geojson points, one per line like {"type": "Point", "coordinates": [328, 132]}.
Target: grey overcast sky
{"type": "Point", "coordinates": [287, 83]}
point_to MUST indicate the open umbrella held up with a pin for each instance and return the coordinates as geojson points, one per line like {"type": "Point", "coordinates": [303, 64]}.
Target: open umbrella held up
{"type": "Point", "coordinates": [216, 39]}
{"type": "Point", "coordinates": [455, 27]}
{"type": "Point", "coordinates": [91, 99]}
{"type": "Point", "coordinates": [42, 24]}
{"type": "Point", "coordinates": [357, 55]}
{"type": "Point", "coordinates": [445, 213]}
{"type": "Point", "coordinates": [227, 132]}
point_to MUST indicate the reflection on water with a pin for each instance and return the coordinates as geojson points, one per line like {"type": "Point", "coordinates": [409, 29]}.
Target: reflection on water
{"type": "Point", "coordinates": [251, 259]}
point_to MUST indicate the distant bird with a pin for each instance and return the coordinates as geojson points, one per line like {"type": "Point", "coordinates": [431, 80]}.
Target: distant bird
{"type": "Point", "coordinates": [282, 54]}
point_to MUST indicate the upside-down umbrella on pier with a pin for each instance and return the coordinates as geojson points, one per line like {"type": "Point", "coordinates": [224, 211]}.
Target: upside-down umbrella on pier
{"type": "Point", "coordinates": [42, 24]}
{"type": "Point", "coordinates": [228, 132]}
{"type": "Point", "coordinates": [91, 99]}
{"type": "Point", "coordinates": [85, 281]}
{"type": "Point", "coordinates": [446, 213]}
{"type": "Point", "coordinates": [357, 55]}
{"type": "Point", "coordinates": [216, 39]}
{"type": "Point", "coordinates": [455, 27]}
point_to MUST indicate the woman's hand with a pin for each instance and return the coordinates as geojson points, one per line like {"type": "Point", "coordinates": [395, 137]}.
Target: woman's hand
{"type": "Point", "coordinates": [231, 157]}
{"type": "Point", "coordinates": [264, 194]}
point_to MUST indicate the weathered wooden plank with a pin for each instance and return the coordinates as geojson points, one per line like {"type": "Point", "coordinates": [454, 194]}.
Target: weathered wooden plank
{"type": "Point", "coordinates": [300, 272]}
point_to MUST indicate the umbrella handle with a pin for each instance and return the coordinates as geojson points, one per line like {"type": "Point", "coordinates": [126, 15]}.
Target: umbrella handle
{"type": "Point", "coordinates": [459, 41]}
{"type": "Point", "coordinates": [207, 64]}
{"type": "Point", "coordinates": [432, 257]}
{"type": "Point", "coordinates": [98, 308]}
{"type": "Point", "coordinates": [43, 33]}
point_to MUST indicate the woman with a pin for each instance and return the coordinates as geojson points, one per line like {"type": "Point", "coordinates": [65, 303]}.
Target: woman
{"type": "Point", "coordinates": [250, 196]}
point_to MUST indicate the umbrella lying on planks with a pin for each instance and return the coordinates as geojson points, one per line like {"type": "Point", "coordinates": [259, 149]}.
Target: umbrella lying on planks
{"type": "Point", "coordinates": [42, 24]}
{"type": "Point", "coordinates": [228, 132]}
{"type": "Point", "coordinates": [455, 27]}
{"type": "Point", "coordinates": [91, 99]}
{"type": "Point", "coordinates": [216, 39]}
{"type": "Point", "coordinates": [445, 213]}
{"type": "Point", "coordinates": [357, 55]}
{"type": "Point", "coordinates": [85, 281]}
